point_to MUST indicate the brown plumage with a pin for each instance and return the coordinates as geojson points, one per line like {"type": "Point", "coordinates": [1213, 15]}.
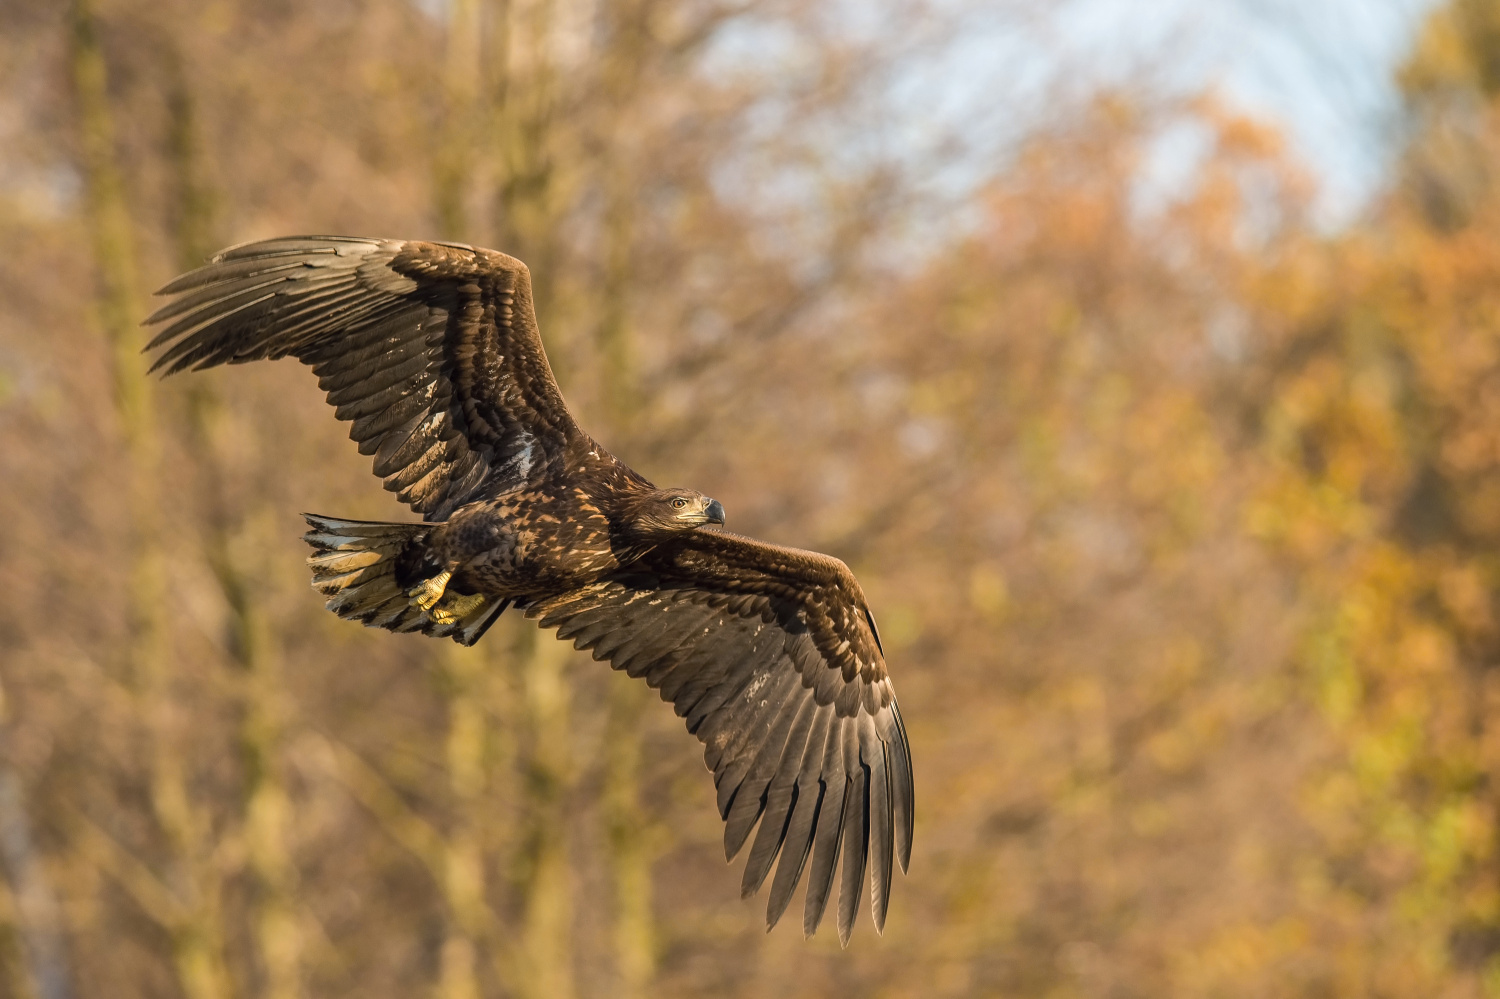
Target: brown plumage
{"type": "Point", "coordinates": [431, 350]}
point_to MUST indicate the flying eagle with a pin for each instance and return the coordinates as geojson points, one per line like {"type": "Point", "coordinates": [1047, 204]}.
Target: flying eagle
{"type": "Point", "coordinates": [431, 351]}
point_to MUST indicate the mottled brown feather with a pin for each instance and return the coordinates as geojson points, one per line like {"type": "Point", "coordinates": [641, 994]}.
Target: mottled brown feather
{"type": "Point", "coordinates": [780, 641]}
{"type": "Point", "coordinates": [415, 342]}
{"type": "Point", "coordinates": [769, 654]}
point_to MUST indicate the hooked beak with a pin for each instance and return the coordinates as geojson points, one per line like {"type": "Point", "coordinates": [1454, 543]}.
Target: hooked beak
{"type": "Point", "coordinates": [714, 512]}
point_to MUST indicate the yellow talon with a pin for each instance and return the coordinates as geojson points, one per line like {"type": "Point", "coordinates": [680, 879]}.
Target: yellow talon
{"type": "Point", "coordinates": [429, 591]}
{"type": "Point", "coordinates": [456, 608]}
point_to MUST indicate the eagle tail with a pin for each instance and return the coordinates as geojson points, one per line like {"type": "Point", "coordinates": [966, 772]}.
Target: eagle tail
{"type": "Point", "coordinates": [356, 568]}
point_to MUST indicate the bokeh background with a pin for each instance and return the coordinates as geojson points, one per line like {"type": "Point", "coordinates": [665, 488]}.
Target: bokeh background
{"type": "Point", "coordinates": [1142, 359]}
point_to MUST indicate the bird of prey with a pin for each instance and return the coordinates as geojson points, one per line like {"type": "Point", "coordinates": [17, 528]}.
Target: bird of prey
{"type": "Point", "coordinates": [770, 654]}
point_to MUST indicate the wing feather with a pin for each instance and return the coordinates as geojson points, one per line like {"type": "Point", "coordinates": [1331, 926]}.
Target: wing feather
{"type": "Point", "coordinates": [902, 792]}
{"type": "Point", "coordinates": [780, 795]}
{"type": "Point", "coordinates": [437, 453]}
{"type": "Point", "coordinates": [749, 756]}
{"type": "Point", "coordinates": [769, 657]}
{"type": "Point", "coordinates": [749, 792]}
{"type": "Point", "coordinates": [856, 833]}
{"type": "Point", "coordinates": [828, 837]}
{"type": "Point", "coordinates": [881, 833]}
{"type": "Point", "coordinates": [228, 274]}
{"type": "Point", "coordinates": [430, 350]}
{"type": "Point", "coordinates": [800, 827]}
{"type": "Point", "coordinates": [399, 365]}
{"type": "Point", "coordinates": [215, 299]}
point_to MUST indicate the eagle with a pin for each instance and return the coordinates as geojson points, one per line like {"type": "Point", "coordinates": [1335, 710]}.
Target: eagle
{"type": "Point", "coordinates": [770, 654]}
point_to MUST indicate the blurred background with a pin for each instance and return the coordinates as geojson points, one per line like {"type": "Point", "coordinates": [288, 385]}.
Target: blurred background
{"type": "Point", "coordinates": [1142, 360]}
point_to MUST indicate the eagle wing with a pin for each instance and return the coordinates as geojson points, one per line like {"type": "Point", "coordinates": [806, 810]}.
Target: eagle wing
{"type": "Point", "coordinates": [430, 349]}
{"type": "Point", "coordinates": [771, 656]}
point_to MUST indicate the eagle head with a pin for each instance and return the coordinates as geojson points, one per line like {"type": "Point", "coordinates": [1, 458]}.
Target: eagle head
{"type": "Point", "coordinates": [677, 510]}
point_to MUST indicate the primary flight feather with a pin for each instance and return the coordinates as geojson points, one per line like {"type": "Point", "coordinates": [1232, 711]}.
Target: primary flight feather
{"type": "Point", "coordinates": [771, 655]}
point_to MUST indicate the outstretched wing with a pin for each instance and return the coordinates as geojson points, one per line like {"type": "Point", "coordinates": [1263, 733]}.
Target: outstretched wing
{"type": "Point", "coordinates": [430, 349]}
{"type": "Point", "coordinates": [772, 658]}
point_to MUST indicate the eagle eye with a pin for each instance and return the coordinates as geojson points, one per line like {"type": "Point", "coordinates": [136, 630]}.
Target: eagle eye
{"type": "Point", "coordinates": [679, 503]}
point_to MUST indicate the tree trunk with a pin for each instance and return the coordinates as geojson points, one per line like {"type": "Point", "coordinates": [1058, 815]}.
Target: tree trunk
{"type": "Point", "coordinates": [266, 806]}
{"type": "Point", "coordinates": [463, 868]}
{"type": "Point", "coordinates": [32, 910]}
{"type": "Point", "coordinates": [196, 938]}
{"type": "Point", "coordinates": [456, 146]}
{"type": "Point", "coordinates": [547, 907]}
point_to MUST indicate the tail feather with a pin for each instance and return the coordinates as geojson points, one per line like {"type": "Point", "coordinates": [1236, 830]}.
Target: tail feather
{"type": "Point", "coordinates": [355, 567]}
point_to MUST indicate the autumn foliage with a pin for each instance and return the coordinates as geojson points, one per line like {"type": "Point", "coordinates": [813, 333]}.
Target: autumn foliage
{"type": "Point", "coordinates": [1180, 517]}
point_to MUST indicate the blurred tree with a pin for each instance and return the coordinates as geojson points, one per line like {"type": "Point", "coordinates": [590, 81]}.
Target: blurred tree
{"type": "Point", "coordinates": [189, 894]}
{"type": "Point", "coordinates": [1178, 518]}
{"type": "Point", "coordinates": [1378, 425]}
{"type": "Point", "coordinates": [1449, 83]}
{"type": "Point", "coordinates": [228, 530]}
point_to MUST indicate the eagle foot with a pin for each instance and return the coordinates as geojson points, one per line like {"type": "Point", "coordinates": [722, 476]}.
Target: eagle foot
{"type": "Point", "coordinates": [429, 591]}
{"type": "Point", "coordinates": [455, 608]}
